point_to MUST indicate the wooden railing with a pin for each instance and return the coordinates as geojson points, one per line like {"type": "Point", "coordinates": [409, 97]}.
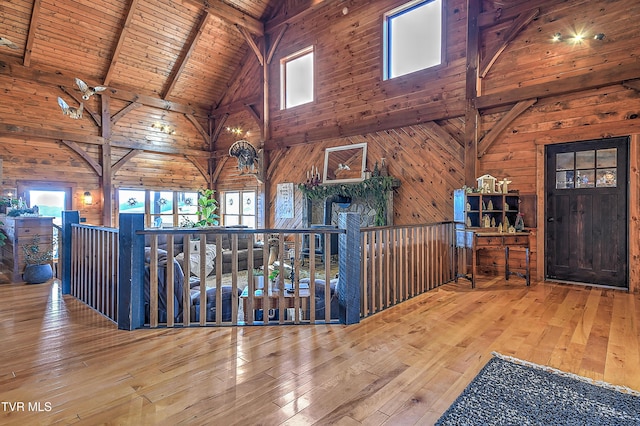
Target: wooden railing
{"type": "Point", "coordinates": [94, 268]}
{"type": "Point", "coordinates": [401, 262]}
{"type": "Point", "coordinates": [130, 274]}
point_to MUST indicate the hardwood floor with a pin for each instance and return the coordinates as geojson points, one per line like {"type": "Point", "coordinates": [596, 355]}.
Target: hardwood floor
{"type": "Point", "coordinates": [402, 366]}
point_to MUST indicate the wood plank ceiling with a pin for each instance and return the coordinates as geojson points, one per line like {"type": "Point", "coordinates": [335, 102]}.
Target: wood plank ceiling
{"type": "Point", "coordinates": [185, 52]}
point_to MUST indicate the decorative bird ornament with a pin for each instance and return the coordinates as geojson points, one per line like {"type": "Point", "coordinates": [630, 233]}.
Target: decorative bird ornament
{"type": "Point", "coordinates": [8, 43]}
{"type": "Point", "coordinates": [245, 153]}
{"type": "Point", "coordinates": [88, 91]}
{"type": "Point", "coordinates": [72, 112]}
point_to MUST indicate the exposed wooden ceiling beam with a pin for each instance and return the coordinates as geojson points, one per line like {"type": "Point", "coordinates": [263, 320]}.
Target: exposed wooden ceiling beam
{"type": "Point", "coordinates": [485, 143]}
{"type": "Point", "coordinates": [274, 46]}
{"type": "Point", "coordinates": [27, 132]}
{"type": "Point", "coordinates": [33, 25]}
{"type": "Point", "coordinates": [252, 44]}
{"type": "Point", "coordinates": [121, 38]}
{"type": "Point", "coordinates": [82, 153]}
{"type": "Point", "coordinates": [583, 82]}
{"type": "Point", "coordinates": [199, 128]}
{"type": "Point", "coordinates": [204, 172]}
{"type": "Point", "coordinates": [121, 162]}
{"type": "Point", "coordinates": [9, 66]}
{"type": "Point", "coordinates": [145, 146]}
{"type": "Point", "coordinates": [189, 46]}
{"type": "Point", "coordinates": [632, 84]}
{"type": "Point", "coordinates": [124, 111]}
{"type": "Point", "coordinates": [232, 15]}
{"type": "Point", "coordinates": [504, 14]}
{"type": "Point", "coordinates": [235, 107]}
{"type": "Point", "coordinates": [518, 25]}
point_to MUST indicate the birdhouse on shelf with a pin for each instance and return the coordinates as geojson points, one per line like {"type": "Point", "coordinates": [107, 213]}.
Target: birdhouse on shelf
{"type": "Point", "coordinates": [486, 184]}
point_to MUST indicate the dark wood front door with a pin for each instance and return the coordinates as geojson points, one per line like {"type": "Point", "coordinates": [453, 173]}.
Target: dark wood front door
{"type": "Point", "coordinates": [586, 212]}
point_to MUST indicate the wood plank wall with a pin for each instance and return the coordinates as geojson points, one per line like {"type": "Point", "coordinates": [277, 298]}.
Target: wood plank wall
{"type": "Point", "coordinates": [416, 121]}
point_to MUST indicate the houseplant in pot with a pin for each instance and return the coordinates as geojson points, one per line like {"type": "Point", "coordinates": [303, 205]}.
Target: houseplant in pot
{"type": "Point", "coordinates": [38, 261]}
{"type": "Point", "coordinates": [207, 205]}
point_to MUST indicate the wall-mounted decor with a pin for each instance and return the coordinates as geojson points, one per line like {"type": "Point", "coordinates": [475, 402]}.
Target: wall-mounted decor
{"type": "Point", "coordinates": [10, 192]}
{"type": "Point", "coordinates": [284, 201]}
{"type": "Point", "coordinates": [345, 163]}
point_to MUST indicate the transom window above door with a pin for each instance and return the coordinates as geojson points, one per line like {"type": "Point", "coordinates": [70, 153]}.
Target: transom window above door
{"type": "Point", "coordinates": [587, 169]}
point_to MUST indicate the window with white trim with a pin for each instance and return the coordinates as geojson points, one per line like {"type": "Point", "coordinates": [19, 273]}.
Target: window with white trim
{"type": "Point", "coordinates": [412, 37]}
{"type": "Point", "coordinates": [296, 79]}
{"type": "Point", "coordinates": [239, 208]}
{"type": "Point", "coordinates": [161, 208]}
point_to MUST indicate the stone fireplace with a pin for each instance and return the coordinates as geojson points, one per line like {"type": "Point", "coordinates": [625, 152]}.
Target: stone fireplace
{"type": "Point", "coordinates": [325, 212]}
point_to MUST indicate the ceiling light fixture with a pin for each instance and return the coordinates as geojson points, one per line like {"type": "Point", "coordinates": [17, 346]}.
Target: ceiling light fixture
{"type": "Point", "coordinates": [164, 128]}
{"type": "Point", "coordinates": [235, 130]}
{"type": "Point", "coordinates": [578, 38]}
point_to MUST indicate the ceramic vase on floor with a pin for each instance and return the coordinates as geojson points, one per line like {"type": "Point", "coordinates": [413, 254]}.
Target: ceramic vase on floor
{"type": "Point", "coordinates": [37, 274]}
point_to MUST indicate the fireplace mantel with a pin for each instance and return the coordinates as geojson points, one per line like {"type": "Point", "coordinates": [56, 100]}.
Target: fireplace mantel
{"type": "Point", "coordinates": [372, 198]}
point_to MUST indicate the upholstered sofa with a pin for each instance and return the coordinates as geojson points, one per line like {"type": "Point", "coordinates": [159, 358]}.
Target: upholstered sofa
{"type": "Point", "coordinates": [179, 281]}
{"type": "Point", "coordinates": [227, 253]}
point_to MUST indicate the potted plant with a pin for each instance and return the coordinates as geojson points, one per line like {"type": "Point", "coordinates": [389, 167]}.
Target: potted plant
{"type": "Point", "coordinates": [207, 205]}
{"type": "Point", "coordinates": [38, 262]}
{"type": "Point", "coordinates": [258, 278]}
{"type": "Point", "coordinates": [274, 281]}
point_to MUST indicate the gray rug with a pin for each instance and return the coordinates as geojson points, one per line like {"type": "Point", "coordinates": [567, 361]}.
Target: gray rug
{"type": "Point", "coordinates": [508, 391]}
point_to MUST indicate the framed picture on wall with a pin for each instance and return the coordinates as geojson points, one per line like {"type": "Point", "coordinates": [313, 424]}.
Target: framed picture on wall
{"type": "Point", "coordinates": [345, 163]}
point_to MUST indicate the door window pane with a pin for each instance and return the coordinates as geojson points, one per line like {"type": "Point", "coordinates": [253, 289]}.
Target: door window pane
{"type": "Point", "coordinates": [607, 157]}
{"type": "Point", "coordinates": [585, 159]}
{"type": "Point", "coordinates": [585, 179]}
{"type": "Point", "coordinates": [564, 180]}
{"type": "Point", "coordinates": [606, 178]}
{"type": "Point", "coordinates": [564, 161]}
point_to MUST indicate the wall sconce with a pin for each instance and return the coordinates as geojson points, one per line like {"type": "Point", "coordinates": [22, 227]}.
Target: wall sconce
{"type": "Point", "coordinates": [87, 198]}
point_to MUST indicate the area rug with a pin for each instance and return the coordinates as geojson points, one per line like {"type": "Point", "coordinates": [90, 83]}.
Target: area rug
{"type": "Point", "coordinates": [509, 391]}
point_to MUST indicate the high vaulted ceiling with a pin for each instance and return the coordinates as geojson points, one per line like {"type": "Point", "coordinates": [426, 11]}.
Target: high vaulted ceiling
{"type": "Point", "coordinates": [186, 51]}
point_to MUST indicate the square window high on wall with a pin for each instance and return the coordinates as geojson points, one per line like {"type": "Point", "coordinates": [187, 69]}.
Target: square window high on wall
{"type": "Point", "coordinates": [413, 37]}
{"type": "Point", "coordinates": [296, 79]}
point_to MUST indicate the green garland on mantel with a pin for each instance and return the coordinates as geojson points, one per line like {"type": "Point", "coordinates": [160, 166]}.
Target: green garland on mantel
{"type": "Point", "coordinates": [375, 187]}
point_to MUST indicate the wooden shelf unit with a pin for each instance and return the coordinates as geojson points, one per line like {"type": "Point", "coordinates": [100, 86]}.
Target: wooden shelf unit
{"type": "Point", "coordinates": [470, 209]}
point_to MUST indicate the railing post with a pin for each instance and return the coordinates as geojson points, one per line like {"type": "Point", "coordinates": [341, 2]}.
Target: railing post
{"type": "Point", "coordinates": [349, 252]}
{"type": "Point", "coordinates": [69, 218]}
{"type": "Point", "coordinates": [131, 272]}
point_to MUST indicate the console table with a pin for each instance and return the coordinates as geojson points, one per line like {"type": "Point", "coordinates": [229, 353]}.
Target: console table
{"type": "Point", "coordinates": [479, 240]}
